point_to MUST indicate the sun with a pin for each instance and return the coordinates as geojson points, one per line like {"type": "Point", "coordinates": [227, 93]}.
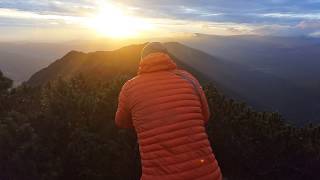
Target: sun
{"type": "Point", "coordinates": [112, 21]}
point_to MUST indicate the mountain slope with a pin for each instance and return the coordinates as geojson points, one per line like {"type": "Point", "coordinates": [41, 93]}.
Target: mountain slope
{"type": "Point", "coordinates": [261, 90]}
{"type": "Point", "coordinates": [294, 59]}
{"type": "Point", "coordinates": [101, 64]}
{"type": "Point", "coordinates": [19, 60]}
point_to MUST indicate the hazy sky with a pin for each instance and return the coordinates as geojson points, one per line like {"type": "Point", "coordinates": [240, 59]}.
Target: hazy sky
{"type": "Point", "coordinates": [83, 19]}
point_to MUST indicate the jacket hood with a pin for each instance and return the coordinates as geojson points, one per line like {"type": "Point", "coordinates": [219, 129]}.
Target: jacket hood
{"type": "Point", "coordinates": [156, 62]}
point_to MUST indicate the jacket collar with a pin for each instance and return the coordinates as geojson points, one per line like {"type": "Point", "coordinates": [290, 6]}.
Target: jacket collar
{"type": "Point", "coordinates": [156, 62]}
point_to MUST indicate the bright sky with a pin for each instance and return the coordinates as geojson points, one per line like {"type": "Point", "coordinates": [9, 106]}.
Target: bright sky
{"type": "Point", "coordinates": [62, 20]}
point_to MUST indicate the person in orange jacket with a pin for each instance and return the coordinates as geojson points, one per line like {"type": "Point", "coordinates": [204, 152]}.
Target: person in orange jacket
{"type": "Point", "coordinates": [169, 110]}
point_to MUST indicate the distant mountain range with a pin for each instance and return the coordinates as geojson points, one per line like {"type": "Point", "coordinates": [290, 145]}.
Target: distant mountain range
{"type": "Point", "coordinates": [269, 73]}
{"type": "Point", "coordinates": [263, 91]}
{"type": "Point", "coordinates": [295, 59]}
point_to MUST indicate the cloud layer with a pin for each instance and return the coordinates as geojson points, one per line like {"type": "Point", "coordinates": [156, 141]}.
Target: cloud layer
{"type": "Point", "coordinates": [271, 17]}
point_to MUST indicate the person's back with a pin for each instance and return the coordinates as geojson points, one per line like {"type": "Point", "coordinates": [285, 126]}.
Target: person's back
{"type": "Point", "coordinates": [168, 110]}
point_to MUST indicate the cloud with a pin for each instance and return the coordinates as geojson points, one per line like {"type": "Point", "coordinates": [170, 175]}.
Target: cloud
{"type": "Point", "coordinates": [310, 28]}
{"type": "Point", "coordinates": [310, 24]}
{"type": "Point", "coordinates": [292, 15]}
{"type": "Point", "coordinates": [275, 29]}
{"type": "Point", "coordinates": [27, 16]}
{"type": "Point", "coordinates": [196, 12]}
{"type": "Point", "coordinates": [228, 28]}
{"type": "Point", "coordinates": [315, 34]}
{"type": "Point", "coordinates": [56, 7]}
{"type": "Point", "coordinates": [224, 17]}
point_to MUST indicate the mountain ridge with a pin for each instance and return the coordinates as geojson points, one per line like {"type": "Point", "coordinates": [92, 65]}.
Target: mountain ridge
{"type": "Point", "coordinates": [260, 90]}
{"type": "Point", "coordinates": [263, 91]}
{"type": "Point", "coordinates": [75, 62]}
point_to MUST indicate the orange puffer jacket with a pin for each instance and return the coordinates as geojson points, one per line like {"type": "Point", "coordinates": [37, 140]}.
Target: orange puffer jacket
{"type": "Point", "coordinates": [169, 116]}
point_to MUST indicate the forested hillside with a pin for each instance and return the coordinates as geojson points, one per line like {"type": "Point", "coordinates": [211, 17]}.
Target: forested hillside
{"type": "Point", "coordinates": [64, 129]}
{"type": "Point", "coordinates": [262, 91]}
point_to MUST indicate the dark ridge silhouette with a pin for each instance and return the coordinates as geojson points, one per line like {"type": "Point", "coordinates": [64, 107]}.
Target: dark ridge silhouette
{"type": "Point", "coordinates": [260, 90]}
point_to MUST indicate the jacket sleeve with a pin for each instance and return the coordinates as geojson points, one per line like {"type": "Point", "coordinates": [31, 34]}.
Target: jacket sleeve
{"type": "Point", "coordinates": [203, 98]}
{"type": "Point", "coordinates": [123, 114]}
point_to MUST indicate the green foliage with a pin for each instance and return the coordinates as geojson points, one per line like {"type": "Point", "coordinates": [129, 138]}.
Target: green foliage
{"type": "Point", "coordinates": [66, 130]}
{"type": "Point", "coordinates": [5, 83]}
{"type": "Point", "coordinates": [18, 143]}
{"type": "Point", "coordinates": [260, 145]}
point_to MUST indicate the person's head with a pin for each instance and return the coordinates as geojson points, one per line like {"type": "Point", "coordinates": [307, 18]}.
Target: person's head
{"type": "Point", "coordinates": [153, 47]}
{"type": "Point", "coordinates": [155, 57]}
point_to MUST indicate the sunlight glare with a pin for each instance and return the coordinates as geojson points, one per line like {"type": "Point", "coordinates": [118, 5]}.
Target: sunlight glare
{"type": "Point", "coordinates": [111, 21]}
